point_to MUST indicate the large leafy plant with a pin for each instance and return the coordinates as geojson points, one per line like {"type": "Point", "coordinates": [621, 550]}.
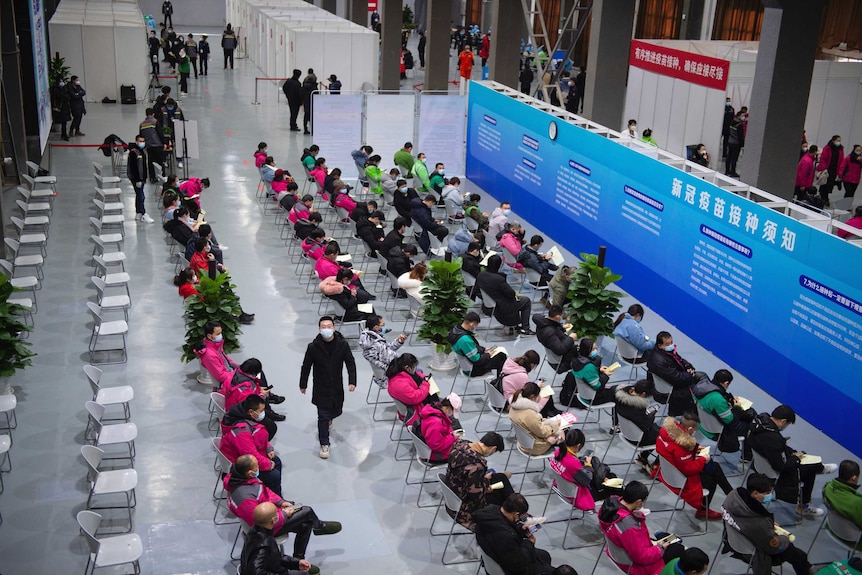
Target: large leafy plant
{"type": "Point", "coordinates": [590, 305]}
{"type": "Point", "coordinates": [445, 302]}
{"type": "Point", "coordinates": [15, 354]}
{"type": "Point", "coordinates": [57, 70]}
{"type": "Point", "coordinates": [216, 302]}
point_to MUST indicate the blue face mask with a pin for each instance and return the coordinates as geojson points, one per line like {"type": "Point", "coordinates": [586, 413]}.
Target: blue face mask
{"type": "Point", "coordinates": [327, 333]}
{"type": "Point", "coordinates": [256, 474]}
{"type": "Point", "coordinates": [670, 348]}
{"type": "Point", "coordinates": [142, 145]}
{"type": "Point", "coordinates": [507, 212]}
{"type": "Point", "coordinates": [769, 497]}
{"type": "Point", "coordinates": [385, 329]}
{"type": "Point", "coordinates": [443, 172]}
{"type": "Point", "coordinates": [402, 190]}
{"type": "Point", "coordinates": [594, 354]}
{"type": "Point", "coordinates": [170, 109]}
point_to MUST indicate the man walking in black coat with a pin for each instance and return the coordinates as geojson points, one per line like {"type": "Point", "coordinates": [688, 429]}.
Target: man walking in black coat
{"type": "Point", "coordinates": [292, 89]}
{"type": "Point", "coordinates": [327, 354]}
{"type": "Point", "coordinates": [136, 171]}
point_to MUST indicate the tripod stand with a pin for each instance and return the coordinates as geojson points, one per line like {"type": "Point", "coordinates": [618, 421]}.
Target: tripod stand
{"type": "Point", "coordinates": [154, 84]}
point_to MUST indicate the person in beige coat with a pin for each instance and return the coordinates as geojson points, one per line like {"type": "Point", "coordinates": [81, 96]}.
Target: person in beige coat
{"type": "Point", "coordinates": [524, 412]}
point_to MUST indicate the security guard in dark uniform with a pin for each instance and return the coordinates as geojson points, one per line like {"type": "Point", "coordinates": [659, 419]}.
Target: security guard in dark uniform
{"type": "Point", "coordinates": [204, 54]}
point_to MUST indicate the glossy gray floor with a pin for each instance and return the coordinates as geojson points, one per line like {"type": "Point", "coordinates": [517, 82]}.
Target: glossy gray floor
{"type": "Point", "coordinates": [361, 485]}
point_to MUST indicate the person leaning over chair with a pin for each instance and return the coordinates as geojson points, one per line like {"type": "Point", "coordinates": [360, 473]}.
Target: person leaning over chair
{"type": "Point", "coordinates": [713, 398]}
{"type": "Point", "coordinates": [348, 297]}
{"type": "Point", "coordinates": [628, 327]}
{"type": "Point", "coordinates": [246, 492]}
{"type": "Point", "coordinates": [579, 470]}
{"type": "Point", "coordinates": [842, 493]}
{"type": "Point", "coordinates": [469, 478]}
{"type": "Point", "coordinates": [437, 429]}
{"type": "Point", "coordinates": [375, 349]}
{"type": "Point", "coordinates": [464, 343]}
{"type": "Point", "coordinates": [795, 481]}
{"type": "Point", "coordinates": [524, 412]}
{"type": "Point", "coordinates": [501, 533]}
{"type": "Point", "coordinates": [512, 309]}
{"type": "Point", "coordinates": [745, 511]}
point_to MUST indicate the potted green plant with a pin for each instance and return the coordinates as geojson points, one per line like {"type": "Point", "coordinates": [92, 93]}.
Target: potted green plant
{"type": "Point", "coordinates": [217, 302]}
{"type": "Point", "coordinates": [590, 305]}
{"type": "Point", "coordinates": [15, 353]}
{"type": "Point", "coordinates": [57, 70]}
{"type": "Point", "coordinates": [444, 305]}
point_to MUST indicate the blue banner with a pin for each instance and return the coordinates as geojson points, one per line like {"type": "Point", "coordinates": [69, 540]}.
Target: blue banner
{"type": "Point", "coordinates": [775, 299]}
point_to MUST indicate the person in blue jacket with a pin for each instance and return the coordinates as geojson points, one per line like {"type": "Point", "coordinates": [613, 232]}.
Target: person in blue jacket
{"type": "Point", "coordinates": [628, 327]}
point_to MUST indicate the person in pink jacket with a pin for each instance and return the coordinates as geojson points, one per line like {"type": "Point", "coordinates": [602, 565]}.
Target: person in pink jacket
{"type": "Point", "coordinates": [193, 187]}
{"type": "Point", "coordinates": [244, 434]}
{"type": "Point", "coordinates": [854, 222]}
{"type": "Point", "coordinates": [624, 523]}
{"type": "Point", "coordinates": [301, 209]}
{"type": "Point", "coordinates": [212, 356]}
{"type": "Point", "coordinates": [850, 171]}
{"type": "Point", "coordinates": [409, 386]}
{"type": "Point", "coordinates": [437, 428]}
{"type": "Point", "coordinates": [805, 172]}
{"type": "Point", "coordinates": [318, 172]}
{"type": "Point", "coordinates": [278, 183]}
{"type": "Point", "coordinates": [831, 158]}
{"type": "Point", "coordinates": [516, 374]}
{"type": "Point", "coordinates": [342, 198]}
{"type": "Point", "coordinates": [569, 467]}
{"type": "Point", "coordinates": [510, 241]}
{"type": "Point", "coordinates": [314, 245]}
{"type": "Point", "coordinates": [260, 155]}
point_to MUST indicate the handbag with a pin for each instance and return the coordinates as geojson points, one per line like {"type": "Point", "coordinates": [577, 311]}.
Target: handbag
{"type": "Point", "coordinates": [820, 178]}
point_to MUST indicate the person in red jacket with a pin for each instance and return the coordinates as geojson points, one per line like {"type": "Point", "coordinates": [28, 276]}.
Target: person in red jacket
{"type": "Point", "coordinates": [246, 491]}
{"type": "Point", "coordinates": [186, 282]}
{"type": "Point", "coordinates": [409, 386]}
{"type": "Point", "coordinates": [244, 434]}
{"type": "Point", "coordinates": [485, 50]}
{"type": "Point", "coordinates": [850, 171]}
{"type": "Point", "coordinates": [212, 356]}
{"type": "Point", "coordinates": [260, 155]}
{"type": "Point", "coordinates": [465, 67]}
{"type": "Point", "coordinates": [805, 172]}
{"type": "Point", "coordinates": [249, 379]}
{"type": "Point", "coordinates": [437, 431]}
{"type": "Point", "coordinates": [623, 520]}
{"type": "Point", "coordinates": [830, 160]}
{"type": "Point", "coordinates": [677, 445]}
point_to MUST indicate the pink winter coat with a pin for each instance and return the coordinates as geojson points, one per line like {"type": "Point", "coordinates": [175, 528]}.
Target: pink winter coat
{"type": "Point", "coordinates": [805, 171]}
{"type": "Point", "coordinates": [298, 212]}
{"type": "Point", "coordinates": [259, 161]}
{"type": "Point", "coordinates": [236, 392]}
{"type": "Point", "coordinates": [243, 438]}
{"type": "Point", "coordinates": [512, 244]}
{"type": "Point", "coordinates": [631, 533]}
{"type": "Point", "coordinates": [326, 268]}
{"type": "Point", "coordinates": [404, 388]}
{"type": "Point", "coordinates": [278, 186]}
{"type": "Point", "coordinates": [345, 202]}
{"type": "Point", "coordinates": [313, 248]}
{"type": "Point", "coordinates": [850, 171]}
{"type": "Point", "coordinates": [263, 494]}
{"type": "Point", "coordinates": [319, 174]}
{"type": "Point", "coordinates": [191, 187]}
{"type": "Point", "coordinates": [567, 468]}
{"type": "Point", "coordinates": [515, 377]}
{"type": "Point", "coordinates": [826, 157]}
{"type": "Point", "coordinates": [437, 431]}
{"type": "Point", "coordinates": [331, 286]}
{"type": "Point", "coordinates": [216, 361]}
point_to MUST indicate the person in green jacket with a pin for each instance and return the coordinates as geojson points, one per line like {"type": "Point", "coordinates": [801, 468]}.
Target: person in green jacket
{"type": "Point", "coordinates": [184, 66]}
{"type": "Point", "coordinates": [713, 398]}
{"type": "Point", "coordinates": [421, 182]}
{"type": "Point", "coordinates": [842, 495]}
{"type": "Point", "coordinates": [374, 175]}
{"type": "Point", "coordinates": [438, 178]}
{"type": "Point", "coordinates": [463, 341]}
{"type": "Point", "coordinates": [693, 561]}
{"type": "Point", "coordinates": [587, 366]}
{"type": "Point", "coordinates": [309, 155]}
{"type": "Point", "coordinates": [404, 158]}
{"type": "Point", "coordinates": [647, 137]}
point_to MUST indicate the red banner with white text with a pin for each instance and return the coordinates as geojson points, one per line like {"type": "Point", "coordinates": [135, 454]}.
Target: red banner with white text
{"type": "Point", "coordinates": [695, 68]}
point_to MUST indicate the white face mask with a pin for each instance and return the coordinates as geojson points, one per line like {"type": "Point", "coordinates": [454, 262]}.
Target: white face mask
{"type": "Point", "coordinates": [218, 338]}
{"type": "Point", "coordinates": [327, 333]}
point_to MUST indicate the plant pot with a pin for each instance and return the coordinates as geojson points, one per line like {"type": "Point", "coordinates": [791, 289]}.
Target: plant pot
{"type": "Point", "coordinates": [5, 385]}
{"type": "Point", "coordinates": [204, 376]}
{"type": "Point", "coordinates": [442, 362]}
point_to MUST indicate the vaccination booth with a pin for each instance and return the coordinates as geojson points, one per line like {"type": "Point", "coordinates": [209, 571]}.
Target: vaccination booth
{"type": "Point", "coordinates": [104, 43]}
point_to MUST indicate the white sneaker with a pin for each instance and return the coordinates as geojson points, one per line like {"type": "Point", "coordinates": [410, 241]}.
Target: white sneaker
{"type": "Point", "coordinates": [147, 219]}
{"type": "Point", "coordinates": [179, 164]}
{"type": "Point", "coordinates": [324, 452]}
{"type": "Point", "coordinates": [223, 247]}
{"type": "Point", "coordinates": [184, 93]}
{"type": "Point", "coordinates": [810, 510]}
{"type": "Point", "coordinates": [829, 468]}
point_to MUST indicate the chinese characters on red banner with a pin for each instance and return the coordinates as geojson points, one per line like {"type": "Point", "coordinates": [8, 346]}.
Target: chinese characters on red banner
{"type": "Point", "coordinates": [694, 68]}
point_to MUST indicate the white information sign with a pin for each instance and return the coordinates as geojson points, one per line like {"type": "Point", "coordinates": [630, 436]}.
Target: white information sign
{"type": "Point", "coordinates": [442, 124]}
{"type": "Point", "coordinates": [338, 129]}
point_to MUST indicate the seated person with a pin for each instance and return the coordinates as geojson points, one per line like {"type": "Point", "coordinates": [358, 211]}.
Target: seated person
{"type": "Point", "coordinates": [301, 210]}
{"type": "Point", "coordinates": [341, 198]}
{"type": "Point", "coordinates": [339, 289]}
{"type": "Point", "coordinates": [437, 429]}
{"type": "Point", "coordinates": [400, 259]}
{"type": "Point", "coordinates": [192, 188]}
{"type": "Point", "coordinates": [453, 199]}
{"type": "Point", "coordinates": [420, 212]}
{"type": "Point", "coordinates": [511, 309]}
{"type": "Point", "coordinates": [579, 470]}
{"type": "Point", "coordinates": [693, 561]}
{"type": "Point", "coordinates": [186, 282]}
{"type": "Point", "coordinates": [314, 245]}
{"type": "Point", "coordinates": [471, 263]}
{"type": "Point", "coordinates": [551, 333]}
{"type": "Point", "coordinates": [587, 366]}
{"type": "Point", "coordinates": [319, 174]}
{"type": "Point", "coordinates": [247, 379]}
{"type": "Point", "coordinates": [243, 433]}
{"type": "Point", "coordinates": [261, 552]}
{"type": "Point", "coordinates": [308, 157]}
{"type": "Point", "coordinates": [246, 492]}
{"type": "Point", "coordinates": [404, 200]}
{"type": "Point", "coordinates": [795, 480]}
{"type": "Point", "coordinates": [373, 174]}
{"type": "Point", "coordinates": [289, 197]}
{"type": "Point", "coordinates": [409, 385]}
{"type": "Point", "coordinates": [362, 210]}
{"type": "Point", "coordinates": [170, 202]}
{"type": "Point", "coordinates": [530, 258]}
{"type": "Point", "coordinates": [524, 412]}
{"type": "Point", "coordinates": [204, 231]}
{"type": "Point", "coordinates": [213, 357]}
{"type": "Point", "coordinates": [665, 362]}
{"type": "Point", "coordinates": [501, 534]}
{"type": "Point", "coordinates": [304, 226]}
{"type": "Point", "coordinates": [394, 238]}
{"type": "Point", "coordinates": [411, 282]}
{"type": "Point", "coordinates": [624, 524]}
{"type": "Point", "coordinates": [628, 327]}
{"type": "Point", "coordinates": [516, 374]}
{"type": "Point", "coordinates": [375, 349]}
{"type": "Point", "coordinates": [329, 181]}
{"type": "Point", "coordinates": [632, 403]}
{"type": "Point", "coordinates": [278, 184]}
{"type": "Point", "coordinates": [472, 211]}
{"type": "Point", "coordinates": [559, 284]}
{"type": "Point", "coordinates": [467, 474]}
{"type": "Point", "coordinates": [713, 398]}
{"type": "Point", "coordinates": [389, 184]}
{"type": "Point", "coordinates": [842, 494]}
{"type": "Point", "coordinates": [260, 155]}
{"type": "Point", "coordinates": [459, 243]}
{"type": "Point", "coordinates": [463, 341]}
{"type": "Point", "coordinates": [854, 222]}
{"type": "Point", "coordinates": [676, 443]}
{"type": "Point", "coordinates": [512, 240]}
{"type": "Point", "coordinates": [182, 227]}
{"type": "Point", "coordinates": [747, 513]}
{"type": "Point", "coordinates": [267, 170]}
{"type": "Point", "coordinates": [200, 262]}
{"type": "Point", "coordinates": [371, 232]}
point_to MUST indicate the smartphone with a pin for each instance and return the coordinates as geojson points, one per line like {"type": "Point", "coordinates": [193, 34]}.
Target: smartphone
{"type": "Point", "coordinates": [534, 528]}
{"type": "Point", "coordinates": [588, 453]}
{"type": "Point", "coordinates": [490, 471]}
{"type": "Point", "coordinates": [295, 507]}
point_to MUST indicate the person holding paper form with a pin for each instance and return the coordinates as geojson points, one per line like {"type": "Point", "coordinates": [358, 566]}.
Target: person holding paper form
{"type": "Point", "coordinates": [665, 362]}
{"type": "Point", "coordinates": [795, 479]}
{"type": "Point", "coordinates": [410, 386]}
{"type": "Point", "coordinates": [498, 220]}
{"type": "Point", "coordinates": [633, 404]}
{"type": "Point", "coordinates": [420, 212]}
{"type": "Point", "coordinates": [329, 265]}
{"type": "Point", "coordinates": [587, 366]}
{"type": "Point", "coordinates": [464, 343]}
{"type": "Point", "coordinates": [551, 333]}
{"type": "Point", "coordinates": [512, 310]}
{"type": "Point", "coordinates": [436, 428]}
{"type": "Point", "coordinates": [338, 289]}
{"type": "Point", "coordinates": [530, 258]}
{"type": "Point", "coordinates": [713, 398]}
{"type": "Point", "coordinates": [469, 477]}
{"type": "Point", "coordinates": [579, 470]}
{"type": "Point", "coordinates": [516, 374]}
{"type": "Point", "coordinates": [375, 349]}
{"type": "Point", "coordinates": [628, 327]}
{"type": "Point", "coordinates": [524, 412]}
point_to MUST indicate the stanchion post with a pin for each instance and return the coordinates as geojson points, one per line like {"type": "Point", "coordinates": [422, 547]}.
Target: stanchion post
{"type": "Point", "coordinates": [256, 101]}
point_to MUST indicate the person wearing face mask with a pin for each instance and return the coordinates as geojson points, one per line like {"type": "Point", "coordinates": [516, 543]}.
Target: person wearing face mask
{"type": "Point", "coordinates": [403, 200]}
{"type": "Point", "coordinates": [524, 411]}
{"type": "Point", "coordinates": [375, 349]}
{"type": "Point", "coordinates": [202, 257]}
{"type": "Point", "coordinates": [348, 297]}
{"type": "Point", "coordinates": [395, 238]}
{"type": "Point", "coordinates": [805, 173]}
{"type": "Point", "coordinates": [192, 189]}
{"type": "Point", "coordinates": [633, 403]}
{"type": "Point", "coordinates": [184, 67]}
{"type": "Point", "coordinates": [438, 179]}
{"type": "Point", "coordinates": [735, 142]}
{"type": "Point", "coordinates": [551, 333]}
{"type": "Point", "coordinates": [249, 379]}
{"type": "Point", "coordinates": [419, 173]}
{"type": "Point", "coordinates": [850, 171]}
{"type": "Point", "coordinates": [212, 356]}
{"type": "Point", "coordinates": [498, 220]}
{"type": "Point", "coordinates": [666, 363]}
{"type": "Point", "coordinates": [631, 129]}
{"type": "Point", "coordinates": [700, 156]}
{"type": "Point", "coordinates": [745, 511]}
{"type": "Point", "coordinates": [436, 427]}
{"type": "Point", "coordinates": [571, 467]}
{"type": "Point", "coordinates": [389, 185]}
{"type": "Point", "coordinates": [260, 155]}
{"type": "Point", "coordinates": [404, 158]}
{"type": "Point", "coordinates": [171, 114]}
{"type": "Point", "coordinates": [61, 106]}
{"type": "Point", "coordinates": [516, 374]}
{"type": "Point", "coordinates": [712, 397]}
{"type": "Point", "coordinates": [677, 445]}
{"type": "Point", "coordinates": [830, 160]}
{"type": "Point", "coordinates": [587, 366]}
{"type": "Point", "coordinates": [182, 228]}
{"type": "Point", "coordinates": [243, 433]}
{"type": "Point", "coordinates": [247, 493]}
{"type": "Point", "coordinates": [842, 493]}
{"type": "Point", "coordinates": [328, 354]}
{"type": "Point", "coordinates": [627, 326]}
{"type": "Point", "coordinates": [77, 106]}
{"type": "Point", "coordinates": [623, 521]}
{"type": "Point", "coordinates": [795, 480]}
{"type": "Point", "coordinates": [137, 174]}
{"type": "Point", "coordinates": [511, 309]}
{"type": "Point", "coordinates": [155, 142]}
{"type": "Point", "coordinates": [410, 386]}
{"type": "Point", "coordinates": [729, 114]}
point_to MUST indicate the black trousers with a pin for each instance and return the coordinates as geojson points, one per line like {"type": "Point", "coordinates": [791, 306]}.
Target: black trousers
{"type": "Point", "coordinates": [850, 189]}
{"type": "Point", "coordinates": [797, 558]}
{"type": "Point", "coordinates": [826, 188]}
{"type": "Point", "coordinates": [228, 55]}
{"type": "Point", "coordinates": [732, 157]}
{"type": "Point", "coordinates": [204, 65]}
{"type": "Point", "coordinates": [302, 523]}
{"type": "Point", "coordinates": [487, 363]}
{"type": "Point", "coordinates": [713, 477]}
{"type": "Point", "coordinates": [294, 114]}
{"type": "Point", "coordinates": [194, 62]}
{"type": "Point", "coordinates": [169, 18]}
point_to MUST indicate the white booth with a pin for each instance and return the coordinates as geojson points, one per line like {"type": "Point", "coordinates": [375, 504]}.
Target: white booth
{"type": "Point", "coordinates": [104, 43]}
{"type": "Point", "coordinates": [681, 110]}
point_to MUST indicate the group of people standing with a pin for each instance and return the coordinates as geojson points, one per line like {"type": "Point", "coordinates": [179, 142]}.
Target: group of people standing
{"type": "Point", "coordinates": [820, 170]}
{"type": "Point", "coordinates": [67, 103]}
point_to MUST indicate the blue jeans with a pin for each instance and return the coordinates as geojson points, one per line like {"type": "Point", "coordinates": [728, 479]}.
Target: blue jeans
{"type": "Point", "coordinates": [324, 416]}
{"type": "Point", "coordinates": [272, 478]}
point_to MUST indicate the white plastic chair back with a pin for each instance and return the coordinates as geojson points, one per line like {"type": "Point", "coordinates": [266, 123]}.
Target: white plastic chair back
{"type": "Point", "coordinates": [31, 183]}
{"type": "Point", "coordinates": [7, 267]}
{"type": "Point", "coordinates": [630, 431]}
{"type": "Point", "coordinates": [436, 244]}
{"type": "Point", "coordinates": [762, 465]}
{"type": "Point", "coordinates": [223, 462]}
{"type": "Point", "coordinates": [96, 412]}
{"type": "Point", "coordinates": [533, 277]}
{"type": "Point", "coordinates": [450, 498]}
{"type": "Point", "coordinates": [552, 358]}
{"type": "Point", "coordinates": [13, 245]}
{"type": "Point", "coordinates": [469, 279]}
{"type": "Point", "coordinates": [93, 457]}
{"type": "Point", "coordinates": [738, 542]}
{"type": "Point", "coordinates": [491, 566]}
{"type": "Point", "coordinates": [218, 400]}
{"type": "Point", "coordinates": [422, 449]}
{"type": "Point", "coordinates": [472, 225]}
{"type": "Point", "coordinates": [96, 312]}
{"type": "Point", "coordinates": [402, 408]}
{"type": "Point", "coordinates": [627, 350]}
{"type": "Point", "coordinates": [94, 376]}
{"type": "Point", "coordinates": [565, 488]}
{"type": "Point", "coordinates": [709, 421]}
{"type": "Point", "coordinates": [464, 364]}
{"type": "Point", "coordinates": [487, 299]}
{"type": "Point", "coordinates": [495, 398]}
{"type": "Point", "coordinates": [670, 474]}
{"type": "Point", "coordinates": [841, 527]}
{"type": "Point", "coordinates": [585, 392]}
{"type": "Point", "coordinates": [382, 261]}
{"type": "Point", "coordinates": [661, 386]}
{"type": "Point", "coordinates": [525, 441]}
{"type": "Point", "coordinates": [89, 523]}
{"type": "Point", "coordinates": [378, 371]}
